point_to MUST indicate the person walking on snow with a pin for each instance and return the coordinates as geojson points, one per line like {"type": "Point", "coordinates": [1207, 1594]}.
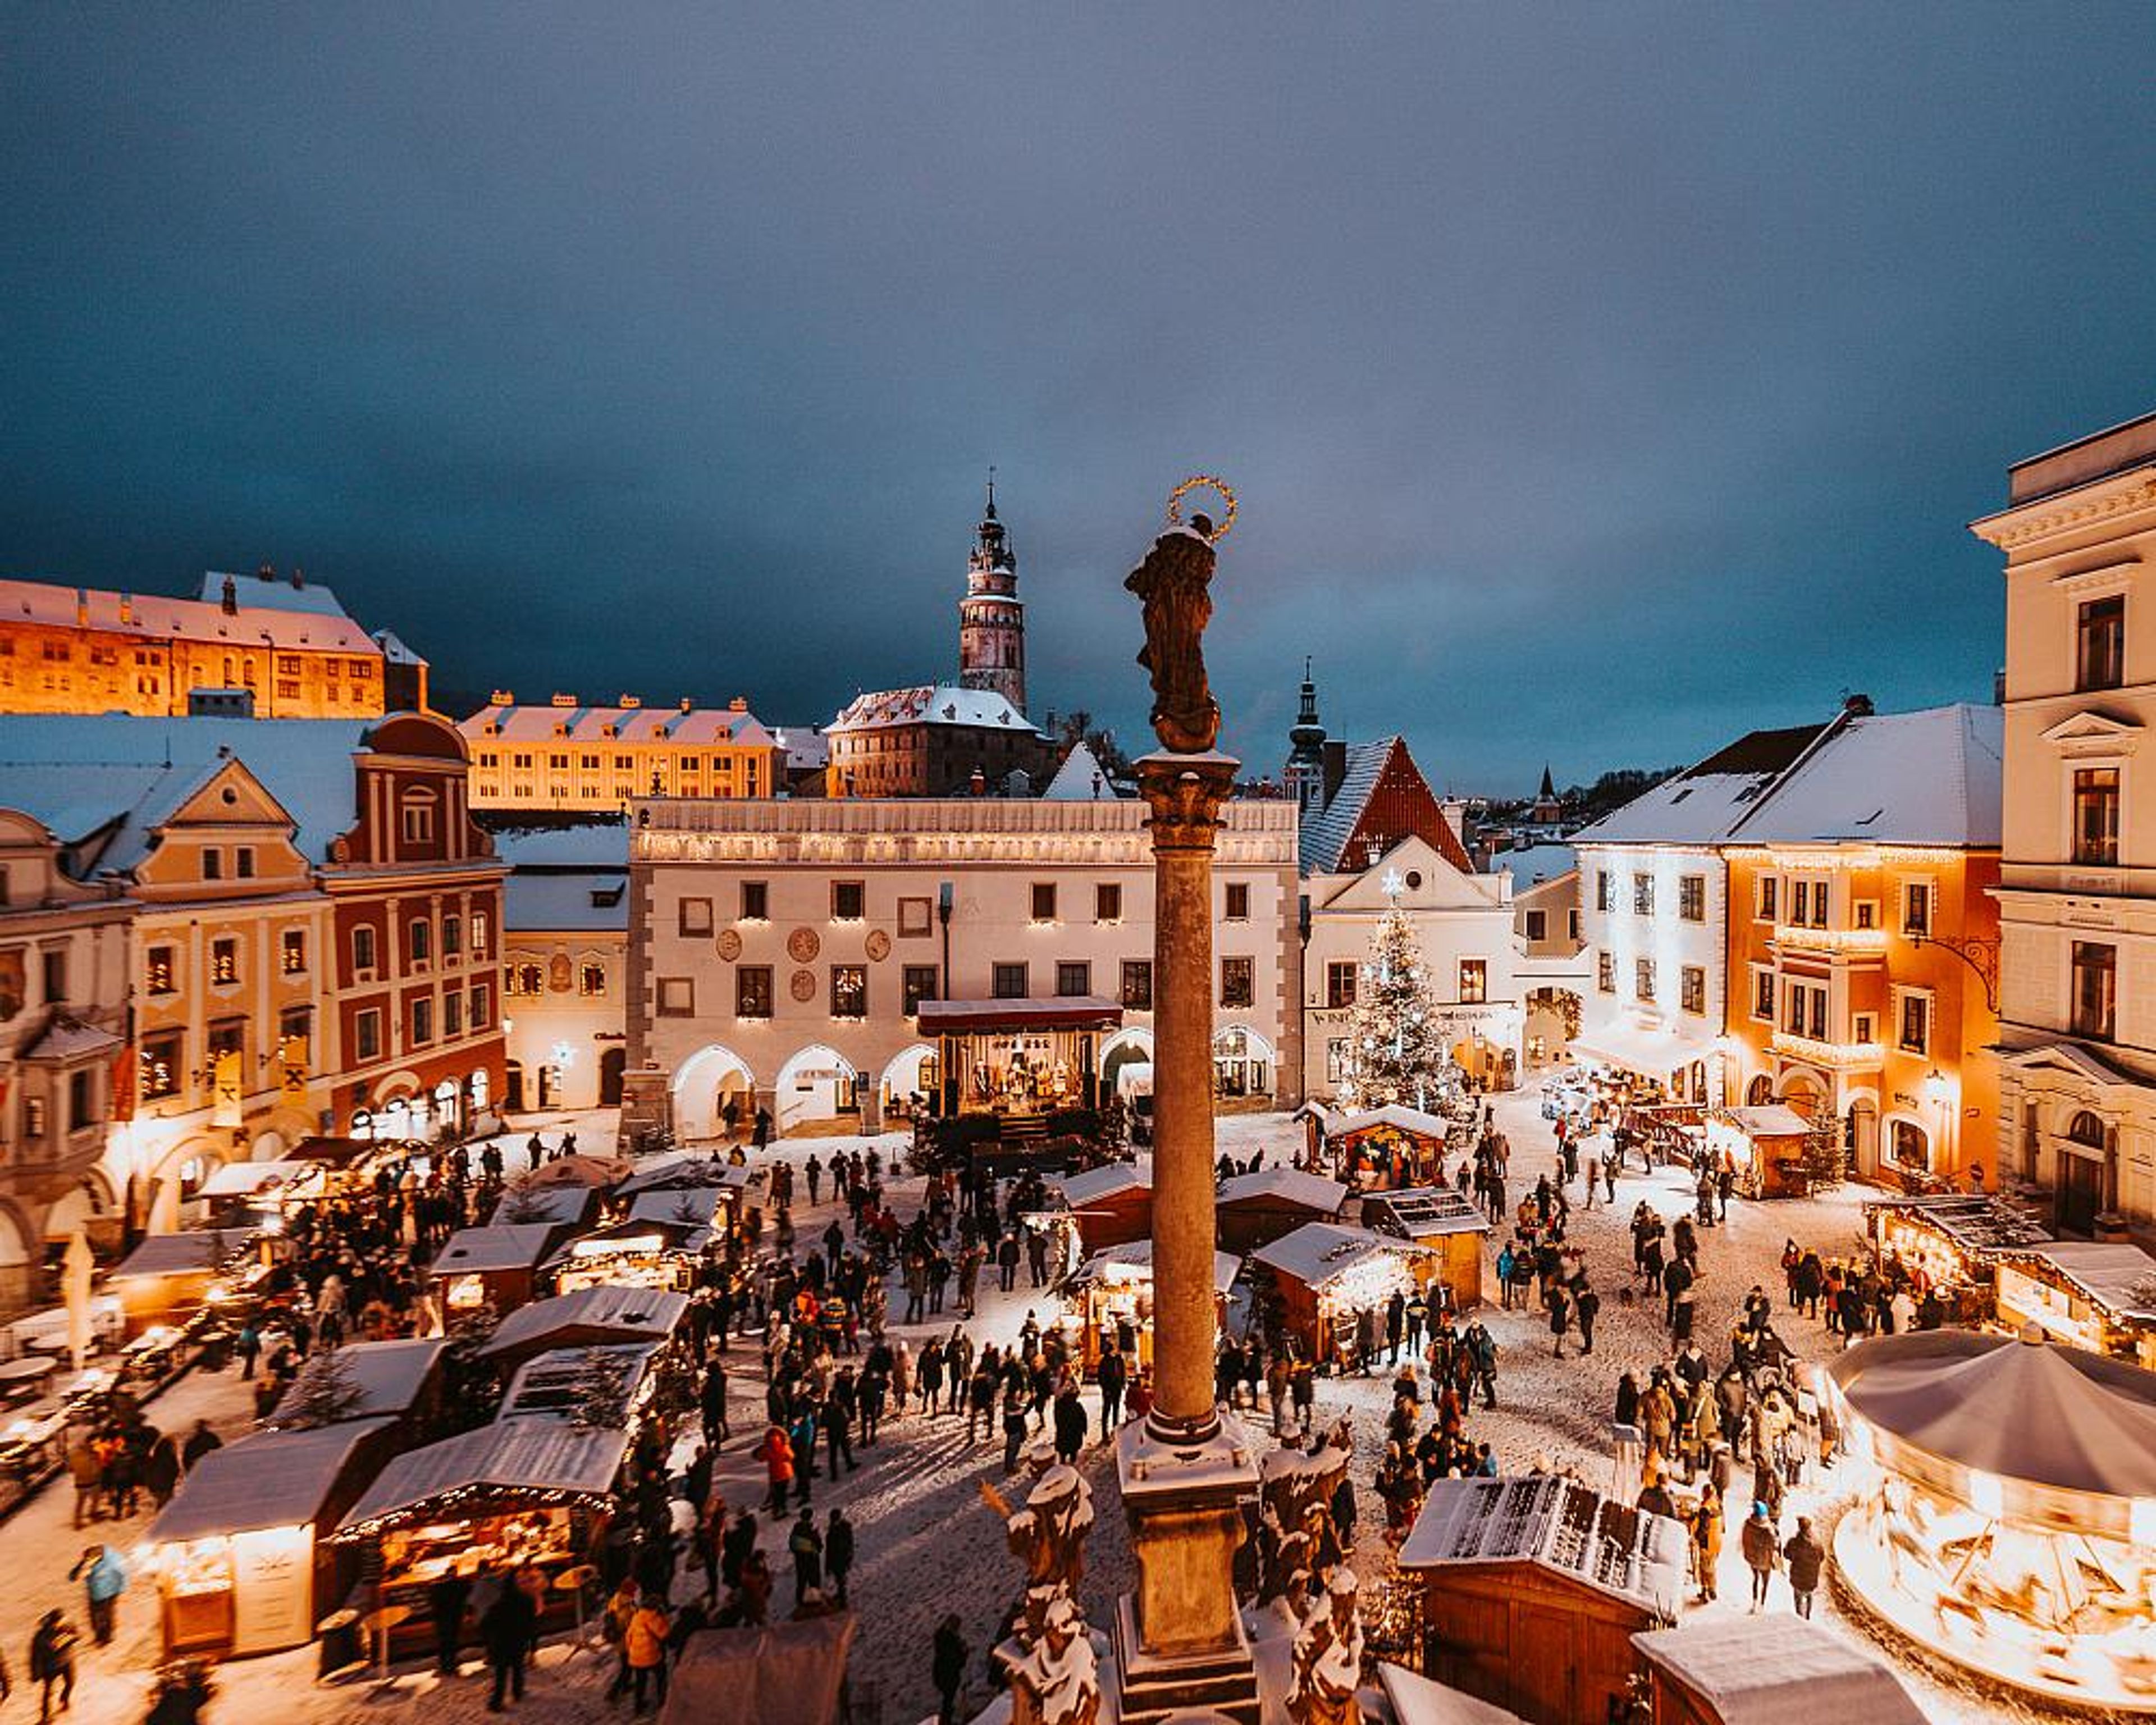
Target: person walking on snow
{"type": "Point", "coordinates": [1761, 1554]}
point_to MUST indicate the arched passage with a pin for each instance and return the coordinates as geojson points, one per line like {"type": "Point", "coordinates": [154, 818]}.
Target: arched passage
{"type": "Point", "coordinates": [910, 1073]}
{"type": "Point", "coordinates": [18, 1261]}
{"type": "Point", "coordinates": [816, 1084]}
{"type": "Point", "coordinates": [1242, 1063]}
{"type": "Point", "coordinates": [1126, 1047]}
{"type": "Point", "coordinates": [703, 1085]}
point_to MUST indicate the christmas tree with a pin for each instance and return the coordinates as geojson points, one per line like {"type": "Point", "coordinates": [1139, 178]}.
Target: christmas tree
{"type": "Point", "coordinates": [1396, 1047]}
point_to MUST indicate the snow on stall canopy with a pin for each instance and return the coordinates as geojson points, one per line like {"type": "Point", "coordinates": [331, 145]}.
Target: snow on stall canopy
{"type": "Point", "coordinates": [1701, 804]}
{"type": "Point", "coordinates": [183, 1254]}
{"type": "Point", "coordinates": [624, 1312]}
{"type": "Point", "coordinates": [549, 1207]}
{"type": "Point", "coordinates": [2120, 1277]}
{"type": "Point", "coordinates": [1557, 1524]}
{"type": "Point", "coordinates": [472, 1251]}
{"type": "Point", "coordinates": [1422, 1212]}
{"type": "Point", "coordinates": [1927, 778]}
{"type": "Point", "coordinates": [551, 1386]}
{"type": "Point", "coordinates": [1285, 1185]}
{"type": "Point", "coordinates": [684, 1204]}
{"type": "Point", "coordinates": [1104, 1182]}
{"type": "Point", "coordinates": [1779, 1670]}
{"type": "Point", "coordinates": [518, 1460]}
{"type": "Point", "coordinates": [387, 1376]}
{"type": "Point", "coordinates": [1319, 1253]}
{"type": "Point", "coordinates": [1396, 1115]}
{"type": "Point", "coordinates": [1133, 1261]}
{"type": "Point", "coordinates": [683, 1170]}
{"type": "Point", "coordinates": [1416, 1700]}
{"type": "Point", "coordinates": [271, 1479]}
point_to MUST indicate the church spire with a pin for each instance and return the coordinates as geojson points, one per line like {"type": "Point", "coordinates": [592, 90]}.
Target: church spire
{"type": "Point", "coordinates": [1306, 758]}
{"type": "Point", "coordinates": [991, 618]}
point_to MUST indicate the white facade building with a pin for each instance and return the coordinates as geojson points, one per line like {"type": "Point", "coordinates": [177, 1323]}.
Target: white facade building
{"type": "Point", "coordinates": [564, 966]}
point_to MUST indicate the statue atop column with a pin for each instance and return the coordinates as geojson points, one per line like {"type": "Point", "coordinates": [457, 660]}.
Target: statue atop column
{"type": "Point", "coordinates": [1173, 584]}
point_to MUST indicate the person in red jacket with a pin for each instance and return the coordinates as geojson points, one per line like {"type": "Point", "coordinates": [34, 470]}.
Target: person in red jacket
{"type": "Point", "coordinates": [775, 1452]}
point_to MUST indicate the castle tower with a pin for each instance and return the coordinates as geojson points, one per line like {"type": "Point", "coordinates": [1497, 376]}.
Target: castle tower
{"type": "Point", "coordinates": [992, 617]}
{"type": "Point", "coordinates": [1305, 757]}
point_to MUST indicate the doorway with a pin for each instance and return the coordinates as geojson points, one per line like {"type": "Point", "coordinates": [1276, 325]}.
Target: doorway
{"type": "Point", "coordinates": [613, 1063]}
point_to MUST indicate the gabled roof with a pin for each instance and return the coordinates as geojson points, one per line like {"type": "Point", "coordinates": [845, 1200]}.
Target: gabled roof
{"type": "Point", "coordinates": [566, 880]}
{"type": "Point", "coordinates": [274, 591]}
{"type": "Point", "coordinates": [1382, 798]}
{"type": "Point", "coordinates": [270, 1479]}
{"type": "Point", "coordinates": [1284, 1185]}
{"type": "Point", "coordinates": [1779, 1670]}
{"type": "Point", "coordinates": [1079, 779]}
{"type": "Point", "coordinates": [1320, 1253]}
{"type": "Point", "coordinates": [152, 617]}
{"type": "Point", "coordinates": [699, 727]}
{"type": "Point", "coordinates": [930, 704]}
{"type": "Point", "coordinates": [512, 1459]}
{"type": "Point", "coordinates": [624, 1312]}
{"type": "Point", "coordinates": [1926, 777]}
{"type": "Point", "coordinates": [472, 1251]}
{"type": "Point", "coordinates": [1110, 1180]}
{"type": "Point", "coordinates": [1700, 805]}
{"type": "Point", "coordinates": [389, 1377]}
{"type": "Point", "coordinates": [1558, 1525]}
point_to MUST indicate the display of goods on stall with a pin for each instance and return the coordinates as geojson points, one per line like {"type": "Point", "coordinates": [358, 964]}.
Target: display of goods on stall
{"type": "Point", "coordinates": [2093, 1294]}
{"type": "Point", "coordinates": [1109, 1303]}
{"type": "Point", "coordinates": [1955, 1239]}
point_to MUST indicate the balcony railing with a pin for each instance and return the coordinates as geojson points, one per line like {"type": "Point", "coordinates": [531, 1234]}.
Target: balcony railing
{"type": "Point", "coordinates": [1867, 942]}
{"type": "Point", "coordinates": [1836, 1056]}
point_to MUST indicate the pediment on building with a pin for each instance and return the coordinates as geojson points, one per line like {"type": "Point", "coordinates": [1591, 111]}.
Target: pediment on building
{"type": "Point", "coordinates": [2094, 733]}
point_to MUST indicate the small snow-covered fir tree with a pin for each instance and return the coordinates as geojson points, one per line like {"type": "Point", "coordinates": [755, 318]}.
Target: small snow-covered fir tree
{"type": "Point", "coordinates": [325, 1392]}
{"type": "Point", "coordinates": [602, 1388]}
{"type": "Point", "coordinates": [1396, 1045]}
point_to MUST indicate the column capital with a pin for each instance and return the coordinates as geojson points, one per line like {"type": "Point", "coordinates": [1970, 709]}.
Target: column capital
{"type": "Point", "coordinates": [1185, 793]}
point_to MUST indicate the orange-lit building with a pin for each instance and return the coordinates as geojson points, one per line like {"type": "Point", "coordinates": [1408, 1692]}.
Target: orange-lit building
{"type": "Point", "coordinates": [1864, 941]}
{"type": "Point", "coordinates": [252, 646]}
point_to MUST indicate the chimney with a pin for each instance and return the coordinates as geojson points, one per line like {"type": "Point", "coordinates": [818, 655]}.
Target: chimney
{"type": "Point", "coordinates": [1999, 687]}
{"type": "Point", "coordinates": [232, 593]}
{"type": "Point", "coordinates": [561, 700]}
{"type": "Point", "coordinates": [631, 701]}
{"type": "Point", "coordinates": [127, 607]}
{"type": "Point", "coordinates": [739, 704]}
{"type": "Point", "coordinates": [1336, 767]}
{"type": "Point", "coordinates": [81, 607]}
{"type": "Point", "coordinates": [687, 705]}
{"type": "Point", "coordinates": [299, 578]}
{"type": "Point", "coordinates": [502, 697]}
{"type": "Point", "coordinates": [978, 785]}
{"type": "Point", "coordinates": [1857, 706]}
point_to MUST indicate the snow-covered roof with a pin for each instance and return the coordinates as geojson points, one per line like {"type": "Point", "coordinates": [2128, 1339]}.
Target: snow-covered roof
{"type": "Point", "coordinates": [1700, 805]}
{"type": "Point", "coordinates": [1318, 1253]}
{"type": "Point", "coordinates": [1779, 1670]}
{"type": "Point", "coordinates": [600, 844]}
{"type": "Point", "coordinates": [806, 747]}
{"type": "Point", "coordinates": [679, 1204]}
{"type": "Point", "coordinates": [1926, 777]}
{"type": "Point", "coordinates": [630, 1311]}
{"type": "Point", "coordinates": [184, 1253]}
{"type": "Point", "coordinates": [1097, 1184]}
{"type": "Point", "coordinates": [471, 1251]}
{"type": "Point", "coordinates": [1558, 1525]}
{"type": "Point", "coordinates": [683, 1170]}
{"type": "Point", "coordinates": [1536, 863]}
{"type": "Point", "coordinates": [565, 900]}
{"type": "Point", "coordinates": [1417, 1700]}
{"type": "Point", "coordinates": [1424, 1212]}
{"type": "Point", "coordinates": [78, 773]}
{"type": "Point", "coordinates": [1133, 1261]}
{"type": "Point", "coordinates": [394, 649]}
{"type": "Point", "coordinates": [66, 1038]}
{"type": "Point", "coordinates": [541, 1206]}
{"type": "Point", "coordinates": [244, 1179]}
{"type": "Point", "coordinates": [930, 704]}
{"type": "Point", "coordinates": [1080, 779]}
{"type": "Point", "coordinates": [1326, 830]}
{"type": "Point", "coordinates": [1764, 1120]}
{"type": "Point", "coordinates": [1284, 1185]}
{"type": "Point", "coordinates": [274, 591]}
{"type": "Point", "coordinates": [270, 1479]}
{"type": "Point", "coordinates": [1396, 1115]}
{"type": "Point", "coordinates": [548, 1386]}
{"type": "Point", "coordinates": [697, 728]}
{"type": "Point", "coordinates": [514, 1458]}
{"type": "Point", "coordinates": [2121, 1277]}
{"type": "Point", "coordinates": [387, 1375]}
{"type": "Point", "coordinates": [152, 617]}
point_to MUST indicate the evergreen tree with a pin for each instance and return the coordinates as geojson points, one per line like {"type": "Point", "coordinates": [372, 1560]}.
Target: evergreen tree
{"type": "Point", "coordinates": [1396, 1049]}
{"type": "Point", "coordinates": [325, 1393]}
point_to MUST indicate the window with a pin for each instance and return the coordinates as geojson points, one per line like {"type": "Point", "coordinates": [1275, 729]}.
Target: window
{"type": "Point", "coordinates": [696, 918]}
{"type": "Point", "coordinates": [1238, 981]}
{"type": "Point", "coordinates": [159, 1072]}
{"type": "Point", "coordinates": [2100, 659]}
{"type": "Point", "coordinates": [2095, 990]}
{"type": "Point", "coordinates": [1818, 904]}
{"type": "Point", "coordinates": [362, 948]}
{"type": "Point", "coordinates": [292, 952]}
{"type": "Point", "coordinates": [916, 917]}
{"type": "Point", "coordinates": [1572, 925]}
{"type": "Point", "coordinates": [918, 983]}
{"type": "Point", "coordinates": [1605, 893]}
{"type": "Point", "coordinates": [1916, 907]}
{"type": "Point", "coordinates": [1916, 1022]}
{"type": "Point", "coordinates": [526, 979]}
{"type": "Point", "coordinates": [1073, 976]}
{"type": "Point", "coordinates": [482, 929]}
{"type": "Point", "coordinates": [1691, 989]}
{"type": "Point", "coordinates": [1864, 1029]}
{"type": "Point", "coordinates": [481, 1004]}
{"type": "Point", "coordinates": [1340, 984]}
{"type": "Point", "coordinates": [1865, 913]}
{"type": "Point", "coordinates": [848, 901]}
{"type": "Point", "coordinates": [591, 977]}
{"type": "Point", "coordinates": [452, 1014]}
{"type": "Point", "coordinates": [420, 934]}
{"type": "Point", "coordinates": [213, 863]}
{"type": "Point", "coordinates": [1044, 900]}
{"type": "Point", "coordinates": [243, 861]}
{"type": "Point", "coordinates": [423, 1022]}
{"type": "Point", "coordinates": [82, 1099]}
{"type": "Point", "coordinates": [1643, 979]}
{"type": "Point", "coordinates": [1605, 973]}
{"type": "Point", "coordinates": [1239, 901]}
{"type": "Point", "coordinates": [1818, 1015]}
{"type": "Point", "coordinates": [756, 901]}
{"type": "Point", "coordinates": [1007, 982]}
{"type": "Point", "coordinates": [453, 934]}
{"type": "Point", "coordinates": [159, 973]}
{"type": "Point", "coordinates": [225, 960]}
{"type": "Point", "coordinates": [2096, 815]}
{"type": "Point", "coordinates": [1137, 985]}
{"type": "Point", "coordinates": [367, 1033]}
{"type": "Point", "coordinates": [1912, 1148]}
{"type": "Point", "coordinates": [677, 997]}
{"type": "Point", "coordinates": [1770, 893]}
{"type": "Point", "coordinates": [1800, 902]}
{"type": "Point", "coordinates": [1793, 1009]}
{"type": "Point", "coordinates": [34, 1117]}
{"type": "Point", "coordinates": [1474, 980]}
{"type": "Point", "coordinates": [1692, 897]}
{"type": "Point", "coordinates": [295, 1024]}
{"type": "Point", "coordinates": [1538, 925]}
{"type": "Point", "coordinates": [849, 991]}
{"type": "Point", "coordinates": [1643, 894]}
{"type": "Point", "coordinates": [1108, 902]}
{"type": "Point", "coordinates": [1762, 995]}
{"type": "Point", "coordinates": [752, 991]}
{"type": "Point", "coordinates": [415, 820]}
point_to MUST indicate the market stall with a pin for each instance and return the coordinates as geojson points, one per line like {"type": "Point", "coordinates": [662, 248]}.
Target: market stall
{"type": "Point", "coordinates": [563, 1209]}
{"type": "Point", "coordinates": [2005, 1507]}
{"type": "Point", "coordinates": [1255, 1208]}
{"type": "Point", "coordinates": [240, 1193]}
{"type": "Point", "coordinates": [399, 1380]}
{"type": "Point", "coordinates": [2086, 1294]}
{"type": "Point", "coordinates": [590, 1317]}
{"type": "Point", "coordinates": [630, 1254]}
{"type": "Point", "coordinates": [239, 1553]}
{"type": "Point", "coordinates": [581, 1169]}
{"type": "Point", "coordinates": [168, 1278]}
{"type": "Point", "coordinates": [1111, 1301]}
{"type": "Point", "coordinates": [1443, 1221]}
{"type": "Point", "coordinates": [683, 1171]}
{"type": "Point", "coordinates": [1109, 1205]}
{"type": "Point", "coordinates": [1735, 1671]}
{"type": "Point", "coordinates": [1326, 1275]}
{"type": "Point", "coordinates": [562, 1384]}
{"type": "Point", "coordinates": [1018, 1058]}
{"type": "Point", "coordinates": [1391, 1146]}
{"type": "Point", "coordinates": [1776, 1150]}
{"type": "Point", "coordinates": [1953, 1239]}
{"type": "Point", "coordinates": [494, 1265]}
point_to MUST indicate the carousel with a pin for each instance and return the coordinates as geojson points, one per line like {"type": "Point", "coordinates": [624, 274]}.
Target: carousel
{"type": "Point", "coordinates": [2006, 1509]}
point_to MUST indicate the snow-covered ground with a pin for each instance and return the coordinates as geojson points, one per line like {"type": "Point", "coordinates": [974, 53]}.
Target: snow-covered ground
{"type": "Point", "coordinates": [927, 1544]}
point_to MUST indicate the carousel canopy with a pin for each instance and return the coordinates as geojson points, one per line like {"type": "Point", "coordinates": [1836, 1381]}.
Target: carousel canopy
{"type": "Point", "coordinates": [1133, 1261]}
{"type": "Point", "coordinates": [1401, 1119]}
{"type": "Point", "coordinates": [1097, 1185]}
{"type": "Point", "coordinates": [1285, 1185]}
{"type": "Point", "coordinates": [518, 1460]}
{"type": "Point", "coordinates": [389, 1377]}
{"type": "Point", "coordinates": [2026, 1410]}
{"type": "Point", "coordinates": [1779, 1670]}
{"type": "Point", "coordinates": [620, 1314]}
{"type": "Point", "coordinates": [1320, 1253]}
{"type": "Point", "coordinates": [471, 1251]}
{"type": "Point", "coordinates": [1557, 1524]}
{"type": "Point", "coordinates": [273, 1479]}
{"type": "Point", "coordinates": [1074, 1012]}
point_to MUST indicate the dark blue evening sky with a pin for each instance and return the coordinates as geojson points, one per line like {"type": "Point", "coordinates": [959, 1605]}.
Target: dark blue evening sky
{"type": "Point", "coordinates": [1599, 380]}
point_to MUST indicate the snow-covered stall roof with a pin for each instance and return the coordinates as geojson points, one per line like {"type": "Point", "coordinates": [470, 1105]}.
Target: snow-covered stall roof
{"type": "Point", "coordinates": [930, 704]}
{"type": "Point", "coordinates": [1975, 1221]}
{"type": "Point", "coordinates": [244, 1179]}
{"type": "Point", "coordinates": [1284, 1185]}
{"type": "Point", "coordinates": [183, 1254]}
{"type": "Point", "coordinates": [1396, 1116]}
{"type": "Point", "coordinates": [1417, 1700]}
{"type": "Point", "coordinates": [1320, 1253]}
{"type": "Point", "coordinates": [2120, 1277]}
{"type": "Point", "coordinates": [472, 1251]}
{"type": "Point", "coordinates": [1422, 1212]}
{"type": "Point", "coordinates": [542, 1207]}
{"type": "Point", "coordinates": [1926, 777]}
{"type": "Point", "coordinates": [551, 1386]}
{"type": "Point", "coordinates": [1779, 1670]}
{"type": "Point", "coordinates": [1098, 1184]}
{"type": "Point", "coordinates": [271, 1479]}
{"type": "Point", "coordinates": [517, 1461]}
{"type": "Point", "coordinates": [683, 1170]}
{"type": "Point", "coordinates": [1701, 804]}
{"type": "Point", "coordinates": [1133, 1261]}
{"type": "Point", "coordinates": [1764, 1120]}
{"type": "Point", "coordinates": [635, 1236]}
{"type": "Point", "coordinates": [624, 1312]}
{"type": "Point", "coordinates": [1558, 1525]}
{"type": "Point", "coordinates": [678, 1203]}
{"type": "Point", "coordinates": [387, 1376]}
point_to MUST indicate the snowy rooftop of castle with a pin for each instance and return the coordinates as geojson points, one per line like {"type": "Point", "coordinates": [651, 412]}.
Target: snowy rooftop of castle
{"type": "Point", "coordinates": [931, 704]}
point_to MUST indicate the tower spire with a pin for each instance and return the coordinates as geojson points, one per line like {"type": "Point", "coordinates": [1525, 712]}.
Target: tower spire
{"type": "Point", "coordinates": [1306, 758]}
{"type": "Point", "coordinates": [992, 491]}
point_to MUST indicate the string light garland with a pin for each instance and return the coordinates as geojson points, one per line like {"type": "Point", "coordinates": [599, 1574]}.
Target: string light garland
{"type": "Point", "coordinates": [1199, 482]}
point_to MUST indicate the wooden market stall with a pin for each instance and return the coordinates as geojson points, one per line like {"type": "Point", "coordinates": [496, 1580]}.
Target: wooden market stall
{"type": "Point", "coordinates": [1442, 1220]}
{"type": "Point", "coordinates": [1109, 1205]}
{"type": "Point", "coordinates": [399, 1380]}
{"type": "Point", "coordinates": [1767, 1671]}
{"type": "Point", "coordinates": [1254, 1209]}
{"type": "Point", "coordinates": [555, 1385]}
{"type": "Point", "coordinates": [684, 1171]}
{"type": "Point", "coordinates": [240, 1555]}
{"type": "Point", "coordinates": [1391, 1146]}
{"type": "Point", "coordinates": [1325, 1274]}
{"type": "Point", "coordinates": [590, 1317]}
{"type": "Point", "coordinates": [629, 1254]}
{"type": "Point", "coordinates": [1111, 1301]}
{"type": "Point", "coordinates": [1534, 1588]}
{"type": "Point", "coordinates": [563, 1209]}
{"type": "Point", "coordinates": [165, 1281]}
{"type": "Point", "coordinates": [2093, 1295]}
{"type": "Point", "coordinates": [493, 1265]}
{"type": "Point", "coordinates": [1953, 1239]}
{"type": "Point", "coordinates": [1776, 1150]}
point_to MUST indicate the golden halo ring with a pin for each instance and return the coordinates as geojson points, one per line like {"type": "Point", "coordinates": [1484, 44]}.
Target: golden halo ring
{"type": "Point", "coordinates": [1201, 482]}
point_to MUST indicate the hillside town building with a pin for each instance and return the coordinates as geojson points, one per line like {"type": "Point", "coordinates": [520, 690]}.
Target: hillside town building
{"type": "Point", "coordinates": [568, 757]}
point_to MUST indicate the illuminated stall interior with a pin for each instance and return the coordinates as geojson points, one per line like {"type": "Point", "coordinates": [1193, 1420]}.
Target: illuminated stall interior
{"type": "Point", "coordinates": [2006, 1515]}
{"type": "Point", "coordinates": [496, 1266]}
{"type": "Point", "coordinates": [1770, 1145]}
{"type": "Point", "coordinates": [1954, 1239]}
{"type": "Point", "coordinates": [1111, 1302]}
{"type": "Point", "coordinates": [165, 1281]}
{"type": "Point", "coordinates": [630, 1254]}
{"type": "Point", "coordinates": [2086, 1294]}
{"type": "Point", "coordinates": [1018, 1057]}
{"type": "Point", "coordinates": [1391, 1146]}
{"type": "Point", "coordinates": [1325, 1274]}
{"type": "Point", "coordinates": [1444, 1222]}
